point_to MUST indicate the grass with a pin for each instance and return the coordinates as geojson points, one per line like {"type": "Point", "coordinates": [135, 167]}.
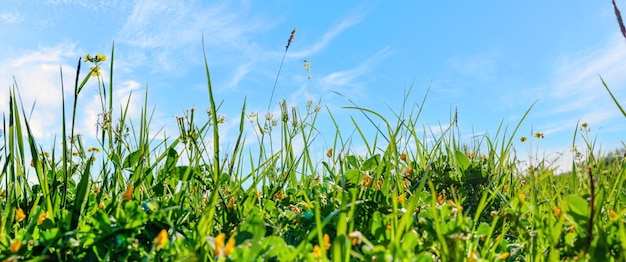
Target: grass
{"type": "Point", "coordinates": [412, 196]}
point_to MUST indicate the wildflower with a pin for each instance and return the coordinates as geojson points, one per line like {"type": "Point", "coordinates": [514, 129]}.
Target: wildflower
{"type": "Point", "coordinates": [162, 239]}
{"type": "Point", "coordinates": [506, 188]}
{"type": "Point", "coordinates": [231, 203]}
{"type": "Point", "coordinates": [95, 70]}
{"type": "Point", "coordinates": [470, 155]}
{"type": "Point", "coordinates": [572, 229]}
{"type": "Point", "coordinates": [326, 242]}
{"type": "Point", "coordinates": [355, 237]}
{"type": "Point", "coordinates": [42, 218]}
{"type": "Point", "coordinates": [295, 209]}
{"type": "Point", "coordinates": [221, 119]}
{"type": "Point", "coordinates": [556, 211]}
{"type": "Point", "coordinates": [75, 153]}
{"type": "Point", "coordinates": [504, 256]}
{"type": "Point", "coordinates": [379, 184]}
{"type": "Point", "coordinates": [128, 195]}
{"type": "Point", "coordinates": [584, 125]}
{"type": "Point", "coordinates": [47, 154]}
{"type": "Point", "coordinates": [252, 117]}
{"type": "Point", "coordinates": [493, 213]}
{"type": "Point", "coordinates": [329, 153]}
{"type": "Point", "coordinates": [230, 246]}
{"type": "Point", "coordinates": [403, 156]}
{"type": "Point", "coordinates": [15, 246]}
{"type": "Point", "coordinates": [473, 256]}
{"type": "Point", "coordinates": [408, 171]}
{"type": "Point", "coordinates": [612, 214]}
{"type": "Point", "coordinates": [539, 135]}
{"type": "Point", "coordinates": [523, 139]}
{"type": "Point", "coordinates": [317, 252]}
{"type": "Point", "coordinates": [220, 249]}
{"type": "Point", "coordinates": [219, 243]}
{"type": "Point", "coordinates": [367, 181]}
{"type": "Point", "coordinates": [19, 215]}
{"type": "Point", "coordinates": [280, 195]}
{"type": "Point", "coordinates": [388, 227]}
{"type": "Point", "coordinates": [100, 58]}
{"type": "Point", "coordinates": [401, 198]}
{"type": "Point", "coordinates": [293, 34]}
{"type": "Point", "coordinates": [93, 149]}
{"type": "Point", "coordinates": [88, 58]}
{"type": "Point", "coordinates": [522, 197]}
{"type": "Point", "coordinates": [441, 199]}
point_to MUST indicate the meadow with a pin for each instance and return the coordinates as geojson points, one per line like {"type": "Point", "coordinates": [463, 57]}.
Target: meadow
{"type": "Point", "coordinates": [413, 196]}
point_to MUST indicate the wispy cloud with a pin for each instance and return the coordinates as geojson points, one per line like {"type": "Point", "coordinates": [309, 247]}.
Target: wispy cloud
{"type": "Point", "coordinates": [319, 45]}
{"type": "Point", "coordinates": [577, 86]}
{"type": "Point", "coordinates": [348, 78]}
{"type": "Point", "coordinates": [11, 18]}
{"type": "Point", "coordinates": [170, 32]}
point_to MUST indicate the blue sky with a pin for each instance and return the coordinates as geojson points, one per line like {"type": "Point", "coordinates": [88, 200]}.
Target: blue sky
{"type": "Point", "coordinates": [489, 60]}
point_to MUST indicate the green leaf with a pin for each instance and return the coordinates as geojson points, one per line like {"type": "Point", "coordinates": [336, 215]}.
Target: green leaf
{"type": "Point", "coordinates": [578, 208]}
{"type": "Point", "coordinates": [371, 163]}
{"type": "Point", "coordinates": [483, 229]}
{"type": "Point", "coordinates": [353, 176]}
{"type": "Point", "coordinates": [132, 159]}
{"type": "Point", "coordinates": [462, 160]}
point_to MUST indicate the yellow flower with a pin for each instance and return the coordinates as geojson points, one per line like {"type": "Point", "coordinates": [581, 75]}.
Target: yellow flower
{"type": "Point", "coordinates": [441, 199]}
{"type": "Point", "coordinates": [612, 214]}
{"type": "Point", "coordinates": [470, 155]}
{"type": "Point", "coordinates": [326, 241]}
{"type": "Point", "coordinates": [19, 215]}
{"type": "Point", "coordinates": [231, 203]}
{"type": "Point", "coordinates": [556, 211]}
{"type": "Point", "coordinates": [162, 239]}
{"type": "Point", "coordinates": [279, 195]}
{"type": "Point", "coordinates": [329, 153]}
{"type": "Point", "coordinates": [219, 243]}
{"type": "Point", "coordinates": [409, 171]}
{"type": "Point", "coordinates": [42, 218]}
{"type": "Point", "coordinates": [95, 70]}
{"type": "Point", "coordinates": [15, 246]}
{"type": "Point", "coordinates": [317, 251]}
{"type": "Point", "coordinates": [522, 197]}
{"type": "Point", "coordinates": [230, 246]}
{"type": "Point", "coordinates": [584, 125]}
{"type": "Point", "coordinates": [401, 198]}
{"type": "Point", "coordinates": [128, 195]}
{"type": "Point", "coordinates": [93, 149]}
{"type": "Point", "coordinates": [539, 135]}
{"type": "Point", "coordinates": [504, 256]}
{"type": "Point", "coordinates": [403, 156]}
{"type": "Point", "coordinates": [100, 58]}
{"type": "Point", "coordinates": [88, 58]}
{"type": "Point", "coordinates": [523, 139]}
{"type": "Point", "coordinates": [367, 181]}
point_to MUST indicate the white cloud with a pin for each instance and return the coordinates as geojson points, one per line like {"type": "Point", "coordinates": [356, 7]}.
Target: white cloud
{"type": "Point", "coordinates": [348, 77]}
{"type": "Point", "coordinates": [328, 37]}
{"type": "Point", "coordinates": [38, 78]}
{"type": "Point", "coordinates": [11, 18]}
